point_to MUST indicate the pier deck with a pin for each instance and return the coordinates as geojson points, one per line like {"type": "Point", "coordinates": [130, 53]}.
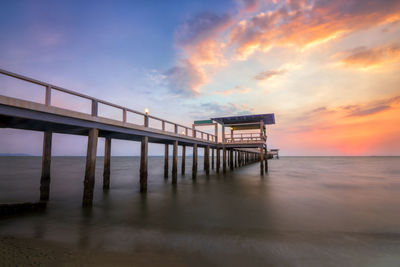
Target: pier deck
{"type": "Point", "coordinates": [28, 115]}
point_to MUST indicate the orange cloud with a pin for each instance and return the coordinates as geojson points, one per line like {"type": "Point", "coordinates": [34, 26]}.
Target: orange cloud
{"type": "Point", "coordinates": [266, 75]}
{"type": "Point", "coordinates": [235, 90]}
{"type": "Point", "coordinates": [302, 24]}
{"type": "Point", "coordinates": [360, 129]}
{"type": "Point", "coordinates": [363, 57]}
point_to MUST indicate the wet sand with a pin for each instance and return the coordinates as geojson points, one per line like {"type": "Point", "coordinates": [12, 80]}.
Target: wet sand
{"type": "Point", "coordinates": [340, 249]}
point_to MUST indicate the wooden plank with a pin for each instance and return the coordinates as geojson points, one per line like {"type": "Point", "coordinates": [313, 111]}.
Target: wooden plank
{"type": "Point", "coordinates": [174, 162]}
{"type": "Point", "coordinates": [90, 168]}
{"type": "Point", "coordinates": [107, 159]}
{"type": "Point", "coordinates": [143, 164]}
{"type": "Point", "coordinates": [46, 162]}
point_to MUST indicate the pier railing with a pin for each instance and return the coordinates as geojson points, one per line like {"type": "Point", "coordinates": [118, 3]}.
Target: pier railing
{"type": "Point", "coordinates": [244, 138]}
{"type": "Point", "coordinates": [178, 129]}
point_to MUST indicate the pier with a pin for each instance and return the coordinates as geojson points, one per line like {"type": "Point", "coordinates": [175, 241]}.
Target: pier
{"type": "Point", "coordinates": [246, 143]}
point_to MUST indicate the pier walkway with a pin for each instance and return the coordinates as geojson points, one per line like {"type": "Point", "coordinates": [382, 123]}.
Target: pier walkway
{"type": "Point", "coordinates": [28, 115]}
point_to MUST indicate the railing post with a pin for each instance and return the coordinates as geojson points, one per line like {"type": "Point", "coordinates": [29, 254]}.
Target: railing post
{"type": "Point", "coordinates": [124, 115]}
{"type": "Point", "coordinates": [186, 131]}
{"type": "Point", "coordinates": [47, 101]}
{"type": "Point", "coordinates": [216, 133]}
{"type": "Point", "coordinates": [95, 108]}
{"type": "Point", "coordinates": [163, 125]}
{"type": "Point", "coordinates": [176, 129]}
{"type": "Point", "coordinates": [146, 120]}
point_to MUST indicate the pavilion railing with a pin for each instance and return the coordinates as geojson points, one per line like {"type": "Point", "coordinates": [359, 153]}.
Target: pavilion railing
{"type": "Point", "coordinates": [178, 129]}
{"type": "Point", "coordinates": [244, 138]}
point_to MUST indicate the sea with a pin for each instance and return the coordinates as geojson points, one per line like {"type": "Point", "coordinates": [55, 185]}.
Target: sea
{"type": "Point", "coordinates": [306, 211]}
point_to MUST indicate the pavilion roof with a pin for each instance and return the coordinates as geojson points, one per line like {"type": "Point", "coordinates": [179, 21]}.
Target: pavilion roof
{"type": "Point", "coordinates": [246, 121]}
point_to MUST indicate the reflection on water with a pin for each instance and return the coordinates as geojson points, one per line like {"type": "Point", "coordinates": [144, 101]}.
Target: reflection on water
{"type": "Point", "coordinates": [306, 208]}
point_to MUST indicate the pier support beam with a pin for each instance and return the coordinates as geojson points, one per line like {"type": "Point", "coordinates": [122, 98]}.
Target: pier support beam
{"type": "Point", "coordinates": [218, 159]}
{"type": "Point", "coordinates": [194, 164]}
{"type": "Point", "coordinates": [143, 164]}
{"type": "Point", "coordinates": [236, 159]}
{"type": "Point", "coordinates": [90, 168]}
{"type": "Point", "coordinates": [266, 161]}
{"type": "Point", "coordinates": [46, 162]}
{"type": "Point", "coordinates": [262, 161]}
{"type": "Point", "coordinates": [166, 161]}
{"type": "Point", "coordinates": [183, 159]}
{"type": "Point", "coordinates": [175, 162]}
{"type": "Point", "coordinates": [107, 159]}
{"type": "Point", "coordinates": [212, 158]}
{"type": "Point", "coordinates": [231, 159]}
{"type": "Point", "coordinates": [224, 160]}
{"type": "Point", "coordinates": [207, 159]}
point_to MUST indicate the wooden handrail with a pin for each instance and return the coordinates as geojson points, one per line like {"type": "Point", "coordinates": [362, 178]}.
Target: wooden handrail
{"type": "Point", "coordinates": [96, 101]}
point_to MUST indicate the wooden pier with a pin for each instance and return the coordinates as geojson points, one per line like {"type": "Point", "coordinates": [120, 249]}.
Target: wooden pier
{"type": "Point", "coordinates": [238, 149]}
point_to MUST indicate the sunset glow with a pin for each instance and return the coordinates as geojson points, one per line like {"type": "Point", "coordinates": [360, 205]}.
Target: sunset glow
{"type": "Point", "coordinates": [329, 70]}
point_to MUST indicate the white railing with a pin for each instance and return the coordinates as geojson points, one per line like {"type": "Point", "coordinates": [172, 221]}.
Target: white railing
{"type": "Point", "coordinates": [244, 138]}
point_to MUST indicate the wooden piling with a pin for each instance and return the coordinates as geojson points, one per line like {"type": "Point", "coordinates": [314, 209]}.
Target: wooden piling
{"type": "Point", "coordinates": [90, 168]}
{"type": "Point", "coordinates": [207, 159]}
{"type": "Point", "coordinates": [223, 159]}
{"type": "Point", "coordinates": [194, 163]}
{"type": "Point", "coordinates": [107, 159]}
{"type": "Point", "coordinates": [261, 161]}
{"type": "Point", "coordinates": [46, 162]}
{"type": "Point", "coordinates": [166, 161]}
{"type": "Point", "coordinates": [212, 158]}
{"type": "Point", "coordinates": [175, 162]}
{"type": "Point", "coordinates": [183, 159]}
{"type": "Point", "coordinates": [236, 159]}
{"type": "Point", "coordinates": [266, 161]}
{"type": "Point", "coordinates": [231, 159]}
{"type": "Point", "coordinates": [218, 159]}
{"type": "Point", "coordinates": [143, 164]}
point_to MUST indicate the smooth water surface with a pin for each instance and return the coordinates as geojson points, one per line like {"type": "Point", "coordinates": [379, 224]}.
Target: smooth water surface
{"type": "Point", "coordinates": [307, 211]}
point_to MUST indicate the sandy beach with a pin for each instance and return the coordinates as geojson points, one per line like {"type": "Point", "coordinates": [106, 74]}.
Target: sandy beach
{"type": "Point", "coordinates": [33, 252]}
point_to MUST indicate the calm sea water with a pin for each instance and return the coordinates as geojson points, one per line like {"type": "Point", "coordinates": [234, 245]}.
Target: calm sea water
{"type": "Point", "coordinates": [307, 211]}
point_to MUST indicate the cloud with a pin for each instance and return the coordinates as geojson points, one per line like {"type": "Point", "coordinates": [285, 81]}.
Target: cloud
{"type": "Point", "coordinates": [236, 90]}
{"type": "Point", "coordinates": [266, 75]}
{"type": "Point", "coordinates": [248, 5]}
{"type": "Point", "coordinates": [368, 111]}
{"type": "Point", "coordinates": [201, 27]}
{"type": "Point", "coordinates": [305, 23]}
{"type": "Point", "coordinates": [370, 57]}
{"type": "Point", "coordinates": [185, 79]}
{"type": "Point", "coordinates": [213, 109]}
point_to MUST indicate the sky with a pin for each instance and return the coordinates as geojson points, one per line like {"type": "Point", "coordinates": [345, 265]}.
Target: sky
{"type": "Point", "coordinates": [328, 70]}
